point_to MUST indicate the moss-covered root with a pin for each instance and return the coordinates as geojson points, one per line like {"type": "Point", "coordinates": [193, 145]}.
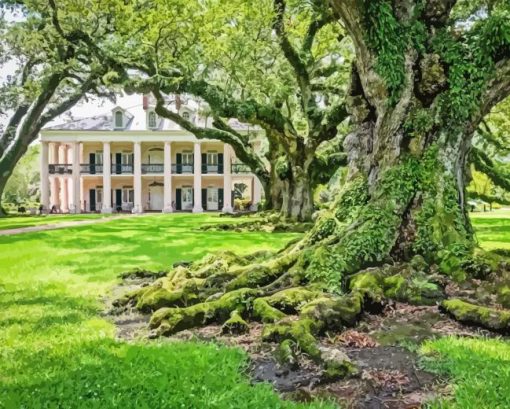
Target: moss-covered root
{"type": "Point", "coordinates": [275, 307]}
{"type": "Point", "coordinates": [489, 318]}
{"type": "Point", "coordinates": [167, 321]}
{"type": "Point", "coordinates": [235, 325]}
{"type": "Point", "coordinates": [320, 314]}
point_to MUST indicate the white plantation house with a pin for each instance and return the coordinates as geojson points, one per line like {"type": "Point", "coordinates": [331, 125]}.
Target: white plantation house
{"type": "Point", "coordinates": [131, 160]}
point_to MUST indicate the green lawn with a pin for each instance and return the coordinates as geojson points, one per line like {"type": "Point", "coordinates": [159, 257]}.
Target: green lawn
{"type": "Point", "coordinates": [493, 229]}
{"type": "Point", "coordinates": [14, 222]}
{"type": "Point", "coordinates": [56, 350]}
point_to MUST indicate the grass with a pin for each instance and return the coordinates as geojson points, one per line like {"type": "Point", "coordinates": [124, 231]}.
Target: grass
{"type": "Point", "coordinates": [493, 229]}
{"type": "Point", "coordinates": [57, 351]}
{"type": "Point", "coordinates": [15, 222]}
{"type": "Point", "coordinates": [480, 369]}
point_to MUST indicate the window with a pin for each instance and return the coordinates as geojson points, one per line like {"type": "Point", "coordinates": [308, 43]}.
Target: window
{"type": "Point", "coordinates": [152, 119]}
{"type": "Point", "coordinates": [119, 119]}
{"type": "Point", "coordinates": [185, 115]}
{"type": "Point", "coordinates": [99, 157]}
{"type": "Point", "coordinates": [127, 158]}
{"type": "Point", "coordinates": [128, 195]}
{"type": "Point", "coordinates": [212, 158]}
{"type": "Point", "coordinates": [187, 158]}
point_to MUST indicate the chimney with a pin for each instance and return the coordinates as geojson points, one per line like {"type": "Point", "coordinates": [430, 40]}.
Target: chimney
{"type": "Point", "coordinates": [145, 102]}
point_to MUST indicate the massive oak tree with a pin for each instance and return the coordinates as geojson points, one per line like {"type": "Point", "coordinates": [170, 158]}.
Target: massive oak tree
{"type": "Point", "coordinates": [425, 75]}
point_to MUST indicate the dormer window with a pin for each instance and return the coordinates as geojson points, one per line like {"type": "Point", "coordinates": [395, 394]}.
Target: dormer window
{"type": "Point", "coordinates": [185, 115]}
{"type": "Point", "coordinates": [152, 120]}
{"type": "Point", "coordinates": [119, 119]}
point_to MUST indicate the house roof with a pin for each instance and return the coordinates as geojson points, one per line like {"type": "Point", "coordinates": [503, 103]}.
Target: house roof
{"type": "Point", "coordinates": [136, 121]}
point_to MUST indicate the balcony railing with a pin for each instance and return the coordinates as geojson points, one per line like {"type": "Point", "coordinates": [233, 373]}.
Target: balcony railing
{"type": "Point", "coordinates": [182, 168]}
{"type": "Point", "coordinates": [91, 168]}
{"type": "Point", "coordinates": [121, 168]}
{"type": "Point", "coordinates": [152, 168]}
{"type": "Point", "coordinates": [240, 168]}
{"type": "Point", "coordinates": [214, 169]}
{"type": "Point", "coordinates": [60, 169]}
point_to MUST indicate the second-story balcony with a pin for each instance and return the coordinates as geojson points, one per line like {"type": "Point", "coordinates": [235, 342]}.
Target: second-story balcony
{"type": "Point", "coordinates": [91, 168]}
{"type": "Point", "coordinates": [122, 169]}
{"type": "Point", "coordinates": [181, 168]}
{"type": "Point", "coordinates": [212, 169]}
{"type": "Point", "coordinates": [152, 168]}
{"type": "Point", "coordinates": [60, 169]}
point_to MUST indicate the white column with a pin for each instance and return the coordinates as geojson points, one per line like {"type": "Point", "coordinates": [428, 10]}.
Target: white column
{"type": "Point", "coordinates": [257, 193]}
{"type": "Point", "coordinates": [107, 179]}
{"type": "Point", "coordinates": [45, 178]}
{"type": "Point", "coordinates": [197, 179]}
{"type": "Point", "coordinates": [61, 154]}
{"type": "Point", "coordinates": [227, 180]}
{"type": "Point", "coordinates": [55, 188]}
{"type": "Point", "coordinates": [167, 179]}
{"type": "Point", "coordinates": [75, 198]}
{"type": "Point", "coordinates": [64, 195]}
{"type": "Point", "coordinates": [137, 177]}
{"type": "Point", "coordinates": [54, 181]}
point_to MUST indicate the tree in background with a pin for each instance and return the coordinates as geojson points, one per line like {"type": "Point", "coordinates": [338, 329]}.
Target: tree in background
{"type": "Point", "coordinates": [281, 67]}
{"type": "Point", "coordinates": [55, 49]}
{"type": "Point", "coordinates": [490, 156]}
{"type": "Point", "coordinates": [22, 188]}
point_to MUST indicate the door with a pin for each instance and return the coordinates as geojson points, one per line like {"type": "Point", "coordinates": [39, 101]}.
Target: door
{"type": "Point", "coordinates": [178, 199]}
{"type": "Point", "coordinates": [156, 197]}
{"type": "Point", "coordinates": [187, 198]}
{"type": "Point", "coordinates": [118, 199]}
{"type": "Point", "coordinates": [92, 200]}
{"type": "Point", "coordinates": [212, 198]}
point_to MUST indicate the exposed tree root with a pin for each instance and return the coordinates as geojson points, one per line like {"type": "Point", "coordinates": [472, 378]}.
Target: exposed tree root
{"type": "Point", "coordinates": [485, 317]}
{"type": "Point", "coordinates": [231, 290]}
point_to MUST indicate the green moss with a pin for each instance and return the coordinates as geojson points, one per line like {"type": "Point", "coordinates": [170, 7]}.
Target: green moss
{"type": "Point", "coordinates": [286, 353]}
{"type": "Point", "coordinates": [254, 276]}
{"type": "Point", "coordinates": [265, 312]}
{"type": "Point", "coordinates": [369, 283]}
{"type": "Point", "coordinates": [413, 288]}
{"type": "Point", "coordinates": [235, 324]}
{"type": "Point", "coordinates": [337, 364]}
{"type": "Point", "coordinates": [274, 307]}
{"type": "Point", "coordinates": [389, 38]}
{"type": "Point", "coordinates": [299, 331]}
{"type": "Point", "coordinates": [334, 312]}
{"type": "Point", "coordinates": [490, 318]}
{"type": "Point", "coordinates": [504, 296]}
{"type": "Point", "coordinates": [159, 295]}
{"type": "Point", "coordinates": [170, 320]}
